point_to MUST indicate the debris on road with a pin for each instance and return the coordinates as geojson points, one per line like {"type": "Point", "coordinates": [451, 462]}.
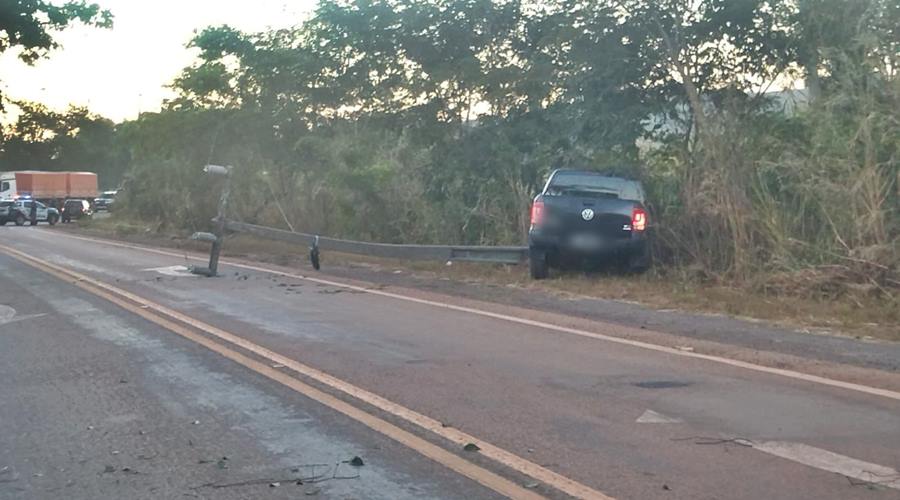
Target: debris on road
{"type": "Point", "coordinates": [471, 447]}
{"type": "Point", "coordinates": [330, 473]}
{"type": "Point", "coordinates": [661, 384]}
{"type": "Point", "coordinates": [706, 440]}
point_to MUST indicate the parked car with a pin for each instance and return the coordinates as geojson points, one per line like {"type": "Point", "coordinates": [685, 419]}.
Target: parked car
{"type": "Point", "coordinates": [586, 217]}
{"type": "Point", "coordinates": [105, 201]}
{"type": "Point", "coordinates": [76, 209]}
{"type": "Point", "coordinates": [19, 211]}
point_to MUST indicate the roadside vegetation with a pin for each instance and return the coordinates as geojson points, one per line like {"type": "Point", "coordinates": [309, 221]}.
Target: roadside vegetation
{"type": "Point", "coordinates": [767, 133]}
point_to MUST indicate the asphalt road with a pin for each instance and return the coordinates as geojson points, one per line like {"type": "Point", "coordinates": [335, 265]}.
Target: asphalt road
{"type": "Point", "coordinates": [91, 389]}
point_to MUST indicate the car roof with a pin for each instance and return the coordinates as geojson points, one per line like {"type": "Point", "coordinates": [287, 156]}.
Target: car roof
{"type": "Point", "coordinates": [590, 172]}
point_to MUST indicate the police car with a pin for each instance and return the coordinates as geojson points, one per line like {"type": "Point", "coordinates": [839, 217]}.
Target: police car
{"type": "Point", "coordinates": [19, 212]}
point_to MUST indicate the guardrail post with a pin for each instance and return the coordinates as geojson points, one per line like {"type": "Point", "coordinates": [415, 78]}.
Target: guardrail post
{"type": "Point", "coordinates": [218, 236]}
{"type": "Point", "coordinates": [314, 253]}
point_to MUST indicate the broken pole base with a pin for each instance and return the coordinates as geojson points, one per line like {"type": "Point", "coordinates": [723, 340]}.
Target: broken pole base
{"type": "Point", "coordinates": [203, 271]}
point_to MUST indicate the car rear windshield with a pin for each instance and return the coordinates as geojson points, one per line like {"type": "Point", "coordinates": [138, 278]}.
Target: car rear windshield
{"type": "Point", "coordinates": [596, 185]}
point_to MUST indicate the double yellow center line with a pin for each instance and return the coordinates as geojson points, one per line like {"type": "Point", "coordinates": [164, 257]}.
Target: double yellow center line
{"type": "Point", "coordinates": [218, 341]}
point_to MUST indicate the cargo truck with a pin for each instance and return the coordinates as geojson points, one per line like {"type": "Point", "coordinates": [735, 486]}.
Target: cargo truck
{"type": "Point", "coordinates": [51, 188]}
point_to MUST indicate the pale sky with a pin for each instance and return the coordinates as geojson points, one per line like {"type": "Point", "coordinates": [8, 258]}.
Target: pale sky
{"type": "Point", "coordinates": [119, 71]}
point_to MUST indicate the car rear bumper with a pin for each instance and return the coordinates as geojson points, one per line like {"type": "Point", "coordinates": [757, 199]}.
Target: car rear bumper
{"type": "Point", "coordinates": [596, 246]}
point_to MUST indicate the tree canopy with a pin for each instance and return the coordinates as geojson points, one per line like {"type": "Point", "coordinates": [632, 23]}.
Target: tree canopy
{"type": "Point", "coordinates": [30, 25]}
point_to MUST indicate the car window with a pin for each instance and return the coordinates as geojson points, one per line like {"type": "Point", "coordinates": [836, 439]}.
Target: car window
{"type": "Point", "coordinates": [599, 184]}
{"type": "Point", "coordinates": [41, 205]}
{"type": "Point", "coordinates": [4, 186]}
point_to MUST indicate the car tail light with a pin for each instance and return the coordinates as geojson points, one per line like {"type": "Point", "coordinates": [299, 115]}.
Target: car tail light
{"type": "Point", "coordinates": [638, 219]}
{"type": "Point", "coordinates": [537, 213]}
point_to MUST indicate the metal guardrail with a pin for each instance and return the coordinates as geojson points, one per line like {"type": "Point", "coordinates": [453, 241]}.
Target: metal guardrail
{"type": "Point", "coordinates": [443, 253]}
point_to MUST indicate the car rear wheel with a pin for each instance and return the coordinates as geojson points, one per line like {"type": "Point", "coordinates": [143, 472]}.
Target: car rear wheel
{"type": "Point", "coordinates": [537, 263]}
{"type": "Point", "coordinates": [638, 263]}
{"type": "Point", "coordinates": [20, 220]}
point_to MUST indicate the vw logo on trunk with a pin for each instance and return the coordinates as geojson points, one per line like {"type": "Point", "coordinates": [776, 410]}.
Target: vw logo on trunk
{"type": "Point", "coordinates": [587, 214]}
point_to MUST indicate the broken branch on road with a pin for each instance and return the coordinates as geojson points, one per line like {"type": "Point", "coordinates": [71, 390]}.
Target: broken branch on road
{"type": "Point", "coordinates": [330, 474]}
{"type": "Point", "coordinates": [705, 440]}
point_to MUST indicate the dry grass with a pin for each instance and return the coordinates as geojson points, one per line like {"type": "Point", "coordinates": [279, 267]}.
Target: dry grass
{"type": "Point", "coordinates": [860, 315]}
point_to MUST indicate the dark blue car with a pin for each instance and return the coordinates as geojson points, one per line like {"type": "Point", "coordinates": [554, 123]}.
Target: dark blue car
{"type": "Point", "coordinates": [584, 217]}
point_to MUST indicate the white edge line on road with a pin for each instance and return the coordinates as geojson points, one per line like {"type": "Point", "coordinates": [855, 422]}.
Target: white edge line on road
{"type": "Point", "coordinates": [874, 391]}
{"type": "Point", "coordinates": [831, 462]}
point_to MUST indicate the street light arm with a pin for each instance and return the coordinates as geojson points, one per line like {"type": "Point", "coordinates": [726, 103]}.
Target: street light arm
{"type": "Point", "coordinates": [217, 170]}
